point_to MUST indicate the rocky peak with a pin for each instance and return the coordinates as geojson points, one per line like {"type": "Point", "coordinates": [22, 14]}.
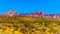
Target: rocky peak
{"type": "Point", "coordinates": [11, 13]}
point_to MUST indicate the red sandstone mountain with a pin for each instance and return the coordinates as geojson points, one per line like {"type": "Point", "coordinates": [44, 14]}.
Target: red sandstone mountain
{"type": "Point", "coordinates": [40, 14]}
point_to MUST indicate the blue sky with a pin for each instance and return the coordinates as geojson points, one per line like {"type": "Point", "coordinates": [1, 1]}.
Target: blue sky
{"type": "Point", "coordinates": [29, 6]}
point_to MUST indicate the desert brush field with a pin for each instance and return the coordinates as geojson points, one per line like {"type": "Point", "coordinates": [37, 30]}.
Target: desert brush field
{"type": "Point", "coordinates": [29, 25]}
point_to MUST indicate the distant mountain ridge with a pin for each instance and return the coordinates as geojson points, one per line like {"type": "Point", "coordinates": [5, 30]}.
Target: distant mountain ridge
{"type": "Point", "coordinates": [39, 14]}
